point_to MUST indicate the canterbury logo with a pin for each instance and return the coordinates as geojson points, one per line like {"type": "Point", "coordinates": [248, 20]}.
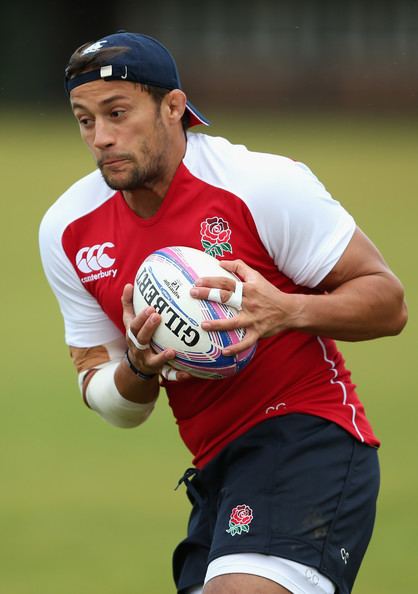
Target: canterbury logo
{"type": "Point", "coordinates": [90, 259]}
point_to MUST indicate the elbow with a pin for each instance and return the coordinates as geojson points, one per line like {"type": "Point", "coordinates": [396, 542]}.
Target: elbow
{"type": "Point", "coordinates": [123, 422]}
{"type": "Point", "coordinates": [400, 315]}
{"type": "Point", "coordinates": [400, 320]}
{"type": "Point", "coordinates": [102, 396]}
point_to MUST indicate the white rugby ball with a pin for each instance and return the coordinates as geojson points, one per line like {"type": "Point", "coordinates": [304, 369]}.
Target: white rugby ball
{"type": "Point", "coordinates": [163, 281]}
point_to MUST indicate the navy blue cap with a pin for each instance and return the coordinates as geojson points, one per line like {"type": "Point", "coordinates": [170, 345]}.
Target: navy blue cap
{"type": "Point", "coordinates": [145, 61]}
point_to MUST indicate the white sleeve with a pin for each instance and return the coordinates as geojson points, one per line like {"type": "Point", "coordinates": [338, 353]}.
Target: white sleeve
{"type": "Point", "coordinates": [85, 322]}
{"type": "Point", "coordinates": [304, 230]}
{"type": "Point", "coordinates": [302, 227]}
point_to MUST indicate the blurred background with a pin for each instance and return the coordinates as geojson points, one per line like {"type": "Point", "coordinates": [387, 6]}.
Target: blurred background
{"type": "Point", "coordinates": [89, 509]}
{"type": "Point", "coordinates": [269, 53]}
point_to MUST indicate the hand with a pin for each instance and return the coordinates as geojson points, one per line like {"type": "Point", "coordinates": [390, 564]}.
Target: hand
{"type": "Point", "coordinates": [143, 326]}
{"type": "Point", "coordinates": [265, 309]}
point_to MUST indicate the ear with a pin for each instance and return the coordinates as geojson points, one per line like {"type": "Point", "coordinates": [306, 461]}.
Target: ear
{"type": "Point", "coordinates": [173, 106]}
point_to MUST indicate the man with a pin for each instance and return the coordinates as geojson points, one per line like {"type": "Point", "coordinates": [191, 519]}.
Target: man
{"type": "Point", "coordinates": [286, 473]}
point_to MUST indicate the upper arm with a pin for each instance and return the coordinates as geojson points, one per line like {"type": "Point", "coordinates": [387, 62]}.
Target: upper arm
{"type": "Point", "coordinates": [360, 258]}
{"type": "Point", "coordinates": [85, 321]}
{"type": "Point", "coordinates": [85, 358]}
{"type": "Point", "coordinates": [303, 228]}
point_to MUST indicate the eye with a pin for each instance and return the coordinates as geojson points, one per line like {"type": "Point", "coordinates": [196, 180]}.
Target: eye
{"type": "Point", "coordinates": [117, 113]}
{"type": "Point", "coordinates": [85, 122]}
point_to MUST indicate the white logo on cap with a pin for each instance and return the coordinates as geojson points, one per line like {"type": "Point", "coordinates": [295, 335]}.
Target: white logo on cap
{"type": "Point", "coordinates": [94, 47]}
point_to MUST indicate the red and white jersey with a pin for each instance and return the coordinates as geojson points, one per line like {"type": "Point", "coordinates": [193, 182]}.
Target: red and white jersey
{"type": "Point", "coordinates": [265, 209]}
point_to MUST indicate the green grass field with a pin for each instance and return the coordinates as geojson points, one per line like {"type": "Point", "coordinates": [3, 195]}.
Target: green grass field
{"type": "Point", "coordinates": [89, 509]}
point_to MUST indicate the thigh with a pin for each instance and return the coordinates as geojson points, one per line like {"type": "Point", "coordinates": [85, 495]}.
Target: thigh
{"type": "Point", "coordinates": [239, 583]}
{"type": "Point", "coordinates": [288, 575]}
{"type": "Point", "coordinates": [248, 574]}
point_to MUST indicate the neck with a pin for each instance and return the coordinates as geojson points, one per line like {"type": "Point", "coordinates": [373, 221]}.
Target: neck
{"type": "Point", "coordinates": [144, 202]}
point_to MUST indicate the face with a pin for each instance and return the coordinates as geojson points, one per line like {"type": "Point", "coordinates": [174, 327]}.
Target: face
{"type": "Point", "coordinates": [122, 126]}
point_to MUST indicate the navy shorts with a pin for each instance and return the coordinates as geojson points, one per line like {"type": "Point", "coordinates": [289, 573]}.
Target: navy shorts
{"type": "Point", "coordinates": [295, 486]}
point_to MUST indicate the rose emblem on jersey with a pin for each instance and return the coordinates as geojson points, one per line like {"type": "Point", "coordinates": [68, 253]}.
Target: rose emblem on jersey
{"type": "Point", "coordinates": [215, 234]}
{"type": "Point", "coordinates": [240, 520]}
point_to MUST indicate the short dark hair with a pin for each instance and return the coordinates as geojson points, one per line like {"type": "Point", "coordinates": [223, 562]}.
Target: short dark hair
{"type": "Point", "coordinates": [80, 63]}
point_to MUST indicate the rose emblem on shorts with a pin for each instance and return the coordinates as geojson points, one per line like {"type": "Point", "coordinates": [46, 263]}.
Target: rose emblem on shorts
{"type": "Point", "coordinates": [240, 520]}
{"type": "Point", "coordinates": [215, 234]}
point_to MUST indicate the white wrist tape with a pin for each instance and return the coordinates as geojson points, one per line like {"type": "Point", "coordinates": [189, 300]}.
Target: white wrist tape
{"type": "Point", "coordinates": [103, 397]}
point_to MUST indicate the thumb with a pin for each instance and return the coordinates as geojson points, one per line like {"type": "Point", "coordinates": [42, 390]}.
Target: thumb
{"type": "Point", "coordinates": [127, 305]}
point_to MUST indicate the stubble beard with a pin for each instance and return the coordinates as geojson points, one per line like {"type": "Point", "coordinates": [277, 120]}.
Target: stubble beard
{"type": "Point", "coordinates": [137, 177]}
{"type": "Point", "coordinates": [151, 170]}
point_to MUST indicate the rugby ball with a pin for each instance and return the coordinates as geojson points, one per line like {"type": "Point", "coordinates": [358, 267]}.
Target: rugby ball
{"type": "Point", "coordinates": [163, 281]}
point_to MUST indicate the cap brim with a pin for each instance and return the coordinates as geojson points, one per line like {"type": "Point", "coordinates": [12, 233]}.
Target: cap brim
{"type": "Point", "coordinates": [196, 118]}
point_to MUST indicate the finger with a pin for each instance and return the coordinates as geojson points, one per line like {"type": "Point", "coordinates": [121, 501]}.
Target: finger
{"type": "Point", "coordinates": [216, 282]}
{"type": "Point", "coordinates": [234, 298]}
{"type": "Point", "coordinates": [150, 362]}
{"type": "Point", "coordinates": [247, 342]}
{"type": "Point", "coordinates": [240, 268]}
{"type": "Point", "coordinates": [238, 321]}
{"type": "Point", "coordinates": [140, 319]}
{"type": "Point", "coordinates": [174, 375]}
{"type": "Point", "coordinates": [213, 294]}
{"type": "Point", "coordinates": [157, 361]}
{"type": "Point", "coordinates": [135, 342]}
{"type": "Point", "coordinates": [141, 328]}
{"type": "Point", "coordinates": [208, 288]}
{"type": "Point", "coordinates": [148, 321]}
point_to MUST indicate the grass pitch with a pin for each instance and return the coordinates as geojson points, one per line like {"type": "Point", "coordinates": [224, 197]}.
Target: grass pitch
{"type": "Point", "coordinates": [89, 509]}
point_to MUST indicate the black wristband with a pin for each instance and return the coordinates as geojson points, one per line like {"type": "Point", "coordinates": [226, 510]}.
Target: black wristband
{"type": "Point", "coordinates": [141, 374]}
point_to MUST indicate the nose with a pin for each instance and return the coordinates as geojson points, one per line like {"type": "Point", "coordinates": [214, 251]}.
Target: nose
{"type": "Point", "coordinates": [103, 135]}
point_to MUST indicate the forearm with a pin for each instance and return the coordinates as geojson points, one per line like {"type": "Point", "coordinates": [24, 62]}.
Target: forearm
{"type": "Point", "coordinates": [133, 388]}
{"type": "Point", "coordinates": [118, 395]}
{"type": "Point", "coordinates": [359, 299]}
{"type": "Point", "coordinates": [361, 309]}
{"type": "Point", "coordinates": [121, 390]}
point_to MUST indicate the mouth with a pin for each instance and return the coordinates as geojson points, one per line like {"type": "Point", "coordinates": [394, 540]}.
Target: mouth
{"type": "Point", "coordinates": [112, 162]}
